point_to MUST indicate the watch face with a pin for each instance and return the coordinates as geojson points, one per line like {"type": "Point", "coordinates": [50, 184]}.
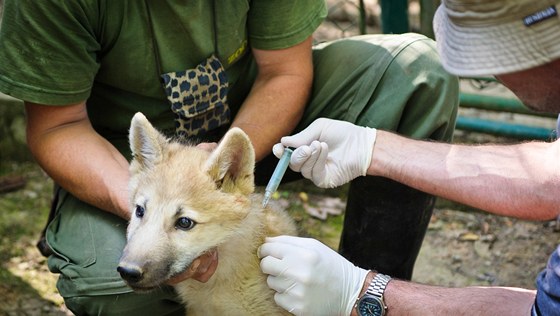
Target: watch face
{"type": "Point", "coordinates": [370, 306]}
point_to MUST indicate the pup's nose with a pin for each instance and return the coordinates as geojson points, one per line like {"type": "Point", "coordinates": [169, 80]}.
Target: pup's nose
{"type": "Point", "coordinates": [130, 274]}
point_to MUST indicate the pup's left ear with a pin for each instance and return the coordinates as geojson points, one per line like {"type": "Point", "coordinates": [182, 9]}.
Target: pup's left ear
{"type": "Point", "coordinates": [146, 143]}
{"type": "Point", "coordinates": [232, 163]}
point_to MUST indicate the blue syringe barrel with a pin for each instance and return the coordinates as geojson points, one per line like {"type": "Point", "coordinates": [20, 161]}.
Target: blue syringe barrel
{"type": "Point", "coordinates": [277, 175]}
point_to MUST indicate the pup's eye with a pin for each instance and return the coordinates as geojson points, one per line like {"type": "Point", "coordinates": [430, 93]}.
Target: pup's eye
{"type": "Point", "coordinates": [139, 211]}
{"type": "Point", "coordinates": [184, 223]}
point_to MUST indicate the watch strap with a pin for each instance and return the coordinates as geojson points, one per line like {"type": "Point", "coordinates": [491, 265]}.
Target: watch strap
{"type": "Point", "coordinates": [378, 285]}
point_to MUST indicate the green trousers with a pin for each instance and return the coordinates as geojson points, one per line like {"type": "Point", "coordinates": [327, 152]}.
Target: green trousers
{"type": "Point", "coordinates": [391, 82]}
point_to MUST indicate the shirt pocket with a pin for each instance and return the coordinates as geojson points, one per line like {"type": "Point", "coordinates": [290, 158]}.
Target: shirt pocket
{"type": "Point", "coordinates": [198, 97]}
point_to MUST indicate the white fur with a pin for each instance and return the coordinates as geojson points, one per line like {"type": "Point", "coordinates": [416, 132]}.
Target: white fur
{"type": "Point", "coordinates": [172, 180]}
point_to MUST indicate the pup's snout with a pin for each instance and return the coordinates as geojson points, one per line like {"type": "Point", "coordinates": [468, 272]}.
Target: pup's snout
{"type": "Point", "coordinates": [130, 274]}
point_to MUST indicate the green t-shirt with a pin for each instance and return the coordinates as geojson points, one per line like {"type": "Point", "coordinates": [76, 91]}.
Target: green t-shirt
{"type": "Point", "coordinates": [66, 51]}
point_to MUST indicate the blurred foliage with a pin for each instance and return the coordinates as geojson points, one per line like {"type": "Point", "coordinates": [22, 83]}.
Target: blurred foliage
{"type": "Point", "coordinates": [12, 131]}
{"type": "Point", "coordinates": [26, 287]}
{"type": "Point", "coordinates": [25, 211]}
{"type": "Point", "coordinates": [25, 284]}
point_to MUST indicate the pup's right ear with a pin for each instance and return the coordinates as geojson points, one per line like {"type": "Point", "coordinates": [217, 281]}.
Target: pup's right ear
{"type": "Point", "coordinates": [146, 143]}
{"type": "Point", "coordinates": [232, 163]}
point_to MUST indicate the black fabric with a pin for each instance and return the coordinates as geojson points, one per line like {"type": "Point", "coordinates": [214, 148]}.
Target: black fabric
{"type": "Point", "coordinates": [384, 225]}
{"type": "Point", "coordinates": [42, 244]}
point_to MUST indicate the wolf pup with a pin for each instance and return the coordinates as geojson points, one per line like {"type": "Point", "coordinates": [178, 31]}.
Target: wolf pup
{"type": "Point", "coordinates": [186, 201]}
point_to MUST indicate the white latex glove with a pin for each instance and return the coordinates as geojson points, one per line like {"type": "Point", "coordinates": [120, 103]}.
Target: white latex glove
{"type": "Point", "coordinates": [329, 152]}
{"type": "Point", "coordinates": [309, 277]}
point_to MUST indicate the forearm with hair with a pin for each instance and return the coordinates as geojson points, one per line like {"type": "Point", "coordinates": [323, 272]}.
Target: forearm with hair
{"type": "Point", "coordinates": [512, 180]}
{"type": "Point", "coordinates": [407, 298]}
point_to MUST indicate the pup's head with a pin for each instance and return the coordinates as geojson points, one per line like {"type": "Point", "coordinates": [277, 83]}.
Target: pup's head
{"type": "Point", "coordinates": [184, 201]}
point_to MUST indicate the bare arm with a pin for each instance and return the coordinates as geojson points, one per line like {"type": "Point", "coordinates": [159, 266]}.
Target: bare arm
{"type": "Point", "coordinates": [407, 298]}
{"type": "Point", "coordinates": [513, 180]}
{"type": "Point", "coordinates": [67, 147]}
{"type": "Point", "coordinates": [411, 299]}
{"type": "Point", "coordinates": [278, 97]}
{"type": "Point", "coordinates": [304, 271]}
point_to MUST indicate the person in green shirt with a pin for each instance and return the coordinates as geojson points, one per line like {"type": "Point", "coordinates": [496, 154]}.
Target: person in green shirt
{"type": "Point", "coordinates": [196, 69]}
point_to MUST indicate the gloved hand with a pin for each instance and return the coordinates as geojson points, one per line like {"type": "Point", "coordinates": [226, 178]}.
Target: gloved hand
{"type": "Point", "coordinates": [309, 277]}
{"type": "Point", "coordinates": [329, 152]}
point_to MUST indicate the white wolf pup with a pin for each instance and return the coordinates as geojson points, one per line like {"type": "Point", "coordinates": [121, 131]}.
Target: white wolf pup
{"type": "Point", "coordinates": [186, 201]}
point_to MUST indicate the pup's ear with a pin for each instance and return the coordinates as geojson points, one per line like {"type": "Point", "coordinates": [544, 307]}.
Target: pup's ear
{"type": "Point", "coordinates": [146, 143]}
{"type": "Point", "coordinates": [232, 163]}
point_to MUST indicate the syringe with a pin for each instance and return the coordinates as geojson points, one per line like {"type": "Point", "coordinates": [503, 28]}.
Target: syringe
{"type": "Point", "coordinates": [277, 175]}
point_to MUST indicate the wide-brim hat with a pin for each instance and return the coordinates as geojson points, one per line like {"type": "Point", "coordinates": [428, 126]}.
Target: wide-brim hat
{"type": "Point", "coordinates": [493, 37]}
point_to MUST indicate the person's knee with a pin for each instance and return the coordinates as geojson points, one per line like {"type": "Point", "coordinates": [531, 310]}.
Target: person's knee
{"type": "Point", "coordinates": [436, 91]}
{"type": "Point", "coordinates": [413, 56]}
{"type": "Point", "coordinates": [421, 59]}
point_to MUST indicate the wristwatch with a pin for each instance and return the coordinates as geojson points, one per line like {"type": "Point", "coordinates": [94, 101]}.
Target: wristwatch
{"type": "Point", "coordinates": [371, 303]}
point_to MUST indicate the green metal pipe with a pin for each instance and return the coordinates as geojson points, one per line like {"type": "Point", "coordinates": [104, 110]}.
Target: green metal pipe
{"type": "Point", "coordinates": [362, 25]}
{"type": "Point", "coordinates": [517, 131]}
{"type": "Point", "coordinates": [492, 103]}
{"type": "Point", "coordinates": [427, 11]}
{"type": "Point", "coordinates": [487, 79]}
{"type": "Point", "coordinates": [394, 16]}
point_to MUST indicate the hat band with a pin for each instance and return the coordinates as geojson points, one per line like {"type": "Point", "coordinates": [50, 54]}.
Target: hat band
{"type": "Point", "coordinates": [540, 16]}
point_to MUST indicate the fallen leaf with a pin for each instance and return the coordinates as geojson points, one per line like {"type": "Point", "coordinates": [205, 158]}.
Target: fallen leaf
{"type": "Point", "coordinates": [303, 197]}
{"type": "Point", "coordinates": [468, 236]}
